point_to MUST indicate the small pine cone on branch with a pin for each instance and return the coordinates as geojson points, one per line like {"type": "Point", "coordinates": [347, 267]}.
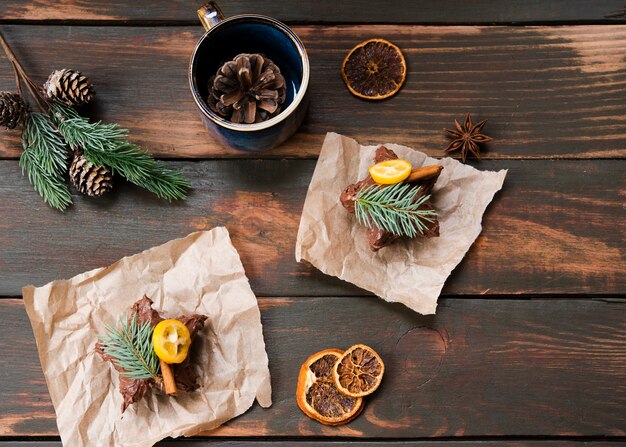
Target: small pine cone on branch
{"type": "Point", "coordinates": [13, 109]}
{"type": "Point", "coordinates": [69, 87]}
{"type": "Point", "coordinates": [89, 179]}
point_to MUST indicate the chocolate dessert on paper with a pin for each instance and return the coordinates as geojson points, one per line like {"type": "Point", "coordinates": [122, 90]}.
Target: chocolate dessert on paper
{"type": "Point", "coordinates": [200, 274]}
{"type": "Point", "coordinates": [379, 237]}
{"type": "Point", "coordinates": [411, 271]}
{"type": "Point", "coordinates": [185, 374]}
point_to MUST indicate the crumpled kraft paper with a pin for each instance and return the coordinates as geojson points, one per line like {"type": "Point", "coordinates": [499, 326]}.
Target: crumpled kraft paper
{"type": "Point", "coordinates": [411, 272]}
{"type": "Point", "coordinates": [201, 273]}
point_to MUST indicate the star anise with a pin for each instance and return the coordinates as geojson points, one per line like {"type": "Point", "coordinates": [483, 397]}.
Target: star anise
{"type": "Point", "coordinates": [468, 137]}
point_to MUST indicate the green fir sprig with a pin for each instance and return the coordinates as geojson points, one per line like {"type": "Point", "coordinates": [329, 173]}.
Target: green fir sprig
{"type": "Point", "coordinates": [395, 208]}
{"type": "Point", "coordinates": [49, 134]}
{"type": "Point", "coordinates": [108, 145]}
{"type": "Point", "coordinates": [45, 160]}
{"type": "Point", "coordinates": [129, 345]}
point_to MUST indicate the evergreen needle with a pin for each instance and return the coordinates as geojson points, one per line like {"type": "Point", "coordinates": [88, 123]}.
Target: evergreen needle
{"type": "Point", "coordinates": [108, 145]}
{"type": "Point", "coordinates": [45, 160]}
{"type": "Point", "coordinates": [394, 209]}
{"type": "Point", "coordinates": [129, 345]}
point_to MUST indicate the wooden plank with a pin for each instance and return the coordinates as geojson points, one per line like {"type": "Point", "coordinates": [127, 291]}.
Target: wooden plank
{"type": "Point", "coordinates": [477, 368]}
{"type": "Point", "coordinates": [556, 92]}
{"type": "Point", "coordinates": [347, 11]}
{"type": "Point", "coordinates": [300, 442]}
{"type": "Point", "coordinates": [556, 227]}
{"type": "Point", "coordinates": [388, 443]}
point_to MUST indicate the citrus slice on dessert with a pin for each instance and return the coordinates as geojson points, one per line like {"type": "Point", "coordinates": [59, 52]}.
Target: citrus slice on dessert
{"type": "Point", "coordinates": [390, 171]}
{"type": "Point", "coordinates": [317, 395]}
{"type": "Point", "coordinates": [171, 340]}
{"type": "Point", "coordinates": [359, 371]}
{"type": "Point", "coordinates": [374, 69]}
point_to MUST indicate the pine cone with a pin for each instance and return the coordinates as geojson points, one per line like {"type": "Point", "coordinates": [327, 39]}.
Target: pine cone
{"type": "Point", "coordinates": [248, 89]}
{"type": "Point", "coordinates": [13, 109]}
{"type": "Point", "coordinates": [69, 87]}
{"type": "Point", "coordinates": [89, 179]}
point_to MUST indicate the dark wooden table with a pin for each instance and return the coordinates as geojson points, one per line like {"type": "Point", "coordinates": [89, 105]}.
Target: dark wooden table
{"type": "Point", "coordinates": [528, 347]}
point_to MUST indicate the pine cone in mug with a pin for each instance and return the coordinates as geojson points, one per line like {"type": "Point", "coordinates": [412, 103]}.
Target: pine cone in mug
{"type": "Point", "coordinates": [249, 89]}
{"type": "Point", "coordinates": [13, 109]}
{"type": "Point", "coordinates": [89, 179]}
{"type": "Point", "coordinates": [69, 87]}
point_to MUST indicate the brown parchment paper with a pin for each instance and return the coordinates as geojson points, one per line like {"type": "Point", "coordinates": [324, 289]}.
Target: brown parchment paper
{"type": "Point", "coordinates": [411, 272]}
{"type": "Point", "coordinates": [201, 273]}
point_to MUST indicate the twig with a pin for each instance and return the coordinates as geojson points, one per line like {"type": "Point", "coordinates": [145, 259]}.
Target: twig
{"type": "Point", "coordinates": [18, 81]}
{"type": "Point", "coordinates": [32, 87]}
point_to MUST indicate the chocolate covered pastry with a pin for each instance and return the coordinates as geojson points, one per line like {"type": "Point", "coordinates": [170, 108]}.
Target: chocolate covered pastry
{"type": "Point", "coordinates": [185, 374]}
{"type": "Point", "coordinates": [425, 177]}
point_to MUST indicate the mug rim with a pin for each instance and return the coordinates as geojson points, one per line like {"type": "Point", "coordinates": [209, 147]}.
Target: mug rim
{"type": "Point", "coordinates": [283, 114]}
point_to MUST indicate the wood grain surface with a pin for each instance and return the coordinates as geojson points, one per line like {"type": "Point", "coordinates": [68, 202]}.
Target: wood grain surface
{"type": "Point", "coordinates": [388, 11]}
{"type": "Point", "coordinates": [556, 227]}
{"type": "Point", "coordinates": [478, 368]}
{"type": "Point", "coordinates": [528, 347]}
{"type": "Point", "coordinates": [303, 442]}
{"type": "Point", "coordinates": [548, 92]}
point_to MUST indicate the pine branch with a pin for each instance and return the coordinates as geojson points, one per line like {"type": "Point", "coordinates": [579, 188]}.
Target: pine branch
{"type": "Point", "coordinates": [45, 143]}
{"type": "Point", "coordinates": [130, 348]}
{"type": "Point", "coordinates": [45, 160]}
{"type": "Point", "coordinates": [394, 208]}
{"type": "Point", "coordinates": [108, 145]}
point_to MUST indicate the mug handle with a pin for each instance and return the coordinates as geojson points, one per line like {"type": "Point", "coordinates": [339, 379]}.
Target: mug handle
{"type": "Point", "coordinates": [210, 15]}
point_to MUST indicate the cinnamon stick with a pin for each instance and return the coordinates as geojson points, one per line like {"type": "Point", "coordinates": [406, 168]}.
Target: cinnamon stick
{"type": "Point", "coordinates": [169, 384]}
{"type": "Point", "coordinates": [423, 173]}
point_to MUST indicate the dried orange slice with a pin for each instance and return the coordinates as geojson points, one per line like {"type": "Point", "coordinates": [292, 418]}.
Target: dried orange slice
{"type": "Point", "coordinates": [359, 371]}
{"type": "Point", "coordinates": [390, 171]}
{"type": "Point", "coordinates": [374, 69]}
{"type": "Point", "coordinates": [317, 395]}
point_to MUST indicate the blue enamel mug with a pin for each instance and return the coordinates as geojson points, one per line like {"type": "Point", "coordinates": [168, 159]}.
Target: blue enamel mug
{"type": "Point", "coordinates": [224, 39]}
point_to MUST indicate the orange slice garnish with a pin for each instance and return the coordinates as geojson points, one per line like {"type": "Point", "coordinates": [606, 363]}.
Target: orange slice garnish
{"type": "Point", "coordinates": [390, 171]}
{"type": "Point", "coordinates": [171, 340]}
